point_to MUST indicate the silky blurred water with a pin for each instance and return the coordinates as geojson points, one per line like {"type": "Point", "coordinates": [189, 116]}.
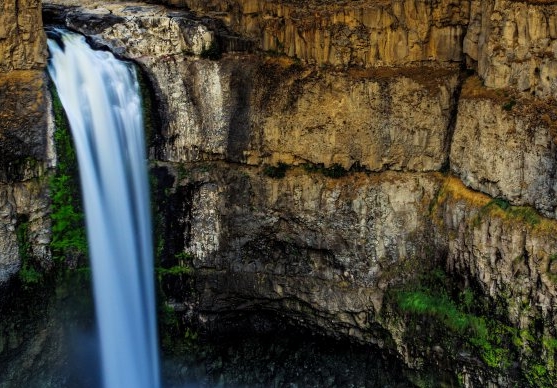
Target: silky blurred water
{"type": "Point", "coordinates": [100, 95]}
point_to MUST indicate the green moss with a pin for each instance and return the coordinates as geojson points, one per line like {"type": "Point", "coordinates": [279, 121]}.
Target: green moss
{"type": "Point", "coordinates": [28, 274]}
{"type": "Point", "coordinates": [183, 173]}
{"type": "Point", "coordinates": [175, 271]}
{"type": "Point", "coordinates": [68, 225]}
{"type": "Point", "coordinates": [151, 119]}
{"type": "Point", "coordinates": [523, 214]}
{"type": "Point", "coordinates": [537, 375]}
{"type": "Point", "coordinates": [466, 319]}
{"type": "Point", "coordinates": [438, 306]}
{"type": "Point", "coordinates": [276, 172]}
{"type": "Point", "coordinates": [501, 203]}
{"type": "Point", "coordinates": [509, 105]}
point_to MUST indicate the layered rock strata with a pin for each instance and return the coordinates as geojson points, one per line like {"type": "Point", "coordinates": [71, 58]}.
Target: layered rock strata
{"type": "Point", "coordinates": [325, 252]}
{"type": "Point", "coordinates": [514, 43]}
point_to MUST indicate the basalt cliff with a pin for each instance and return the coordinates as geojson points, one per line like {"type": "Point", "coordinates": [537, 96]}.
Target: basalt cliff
{"type": "Point", "coordinates": [378, 171]}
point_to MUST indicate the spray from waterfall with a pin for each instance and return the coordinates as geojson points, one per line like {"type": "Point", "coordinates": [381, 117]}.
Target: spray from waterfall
{"type": "Point", "coordinates": [100, 95]}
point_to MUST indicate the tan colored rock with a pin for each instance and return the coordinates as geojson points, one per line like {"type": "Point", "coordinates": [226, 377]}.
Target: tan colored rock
{"type": "Point", "coordinates": [506, 146]}
{"type": "Point", "coordinates": [22, 39]}
{"type": "Point", "coordinates": [384, 33]}
{"type": "Point", "coordinates": [389, 119]}
{"type": "Point", "coordinates": [508, 252]}
{"type": "Point", "coordinates": [515, 44]}
{"type": "Point", "coordinates": [24, 109]}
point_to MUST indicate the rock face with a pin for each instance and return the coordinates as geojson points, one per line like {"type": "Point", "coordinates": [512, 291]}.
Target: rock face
{"type": "Point", "coordinates": [254, 152]}
{"type": "Point", "coordinates": [313, 154]}
{"type": "Point", "coordinates": [514, 44]}
{"type": "Point", "coordinates": [498, 136]}
{"type": "Point", "coordinates": [22, 40]}
{"type": "Point", "coordinates": [25, 142]}
{"type": "Point", "coordinates": [364, 33]}
{"type": "Point", "coordinates": [25, 226]}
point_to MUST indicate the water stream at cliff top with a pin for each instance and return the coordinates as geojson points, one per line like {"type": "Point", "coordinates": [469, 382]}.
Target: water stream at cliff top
{"type": "Point", "coordinates": [100, 95]}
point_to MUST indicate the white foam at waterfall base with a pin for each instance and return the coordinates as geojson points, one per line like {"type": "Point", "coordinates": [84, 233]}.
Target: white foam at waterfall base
{"type": "Point", "coordinates": [100, 95]}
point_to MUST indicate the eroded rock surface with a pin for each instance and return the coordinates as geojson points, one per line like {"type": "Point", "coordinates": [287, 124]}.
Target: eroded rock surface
{"type": "Point", "coordinates": [370, 86]}
{"type": "Point", "coordinates": [504, 145]}
{"type": "Point", "coordinates": [25, 136]}
{"type": "Point", "coordinates": [22, 40]}
{"type": "Point", "coordinates": [514, 44]}
{"type": "Point", "coordinates": [325, 252]}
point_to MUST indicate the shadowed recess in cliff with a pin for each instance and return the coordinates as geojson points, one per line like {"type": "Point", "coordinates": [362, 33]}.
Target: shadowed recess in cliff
{"type": "Point", "coordinates": [101, 98]}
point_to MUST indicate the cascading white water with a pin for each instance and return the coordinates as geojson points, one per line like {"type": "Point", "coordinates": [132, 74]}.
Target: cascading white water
{"type": "Point", "coordinates": [100, 95]}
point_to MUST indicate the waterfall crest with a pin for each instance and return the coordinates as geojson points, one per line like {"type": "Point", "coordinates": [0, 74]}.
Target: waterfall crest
{"type": "Point", "coordinates": [100, 95]}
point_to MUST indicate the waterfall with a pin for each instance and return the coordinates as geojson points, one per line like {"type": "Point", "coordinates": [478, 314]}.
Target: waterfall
{"type": "Point", "coordinates": [100, 95]}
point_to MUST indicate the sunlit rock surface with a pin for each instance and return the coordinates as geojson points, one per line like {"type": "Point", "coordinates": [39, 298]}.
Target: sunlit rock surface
{"type": "Point", "coordinates": [375, 87]}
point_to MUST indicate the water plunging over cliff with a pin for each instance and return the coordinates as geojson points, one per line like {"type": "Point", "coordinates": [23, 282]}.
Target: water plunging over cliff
{"type": "Point", "coordinates": [101, 98]}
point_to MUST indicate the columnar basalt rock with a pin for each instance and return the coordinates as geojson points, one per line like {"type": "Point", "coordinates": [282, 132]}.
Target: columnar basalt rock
{"type": "Point", "coordinates": [515, 44]}
{"type": "Point", "coordinates": [372, 86]}
{"type": "Point", "coordinates": [363, 33]}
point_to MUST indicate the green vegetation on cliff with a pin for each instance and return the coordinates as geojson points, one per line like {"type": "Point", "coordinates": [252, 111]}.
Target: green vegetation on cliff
{"type": "Point", "coordinates": [68, 229]}
{"type": "Point", "coordinates": [28, 273]}
{"type": "Point", "coordinates": [464, 320]}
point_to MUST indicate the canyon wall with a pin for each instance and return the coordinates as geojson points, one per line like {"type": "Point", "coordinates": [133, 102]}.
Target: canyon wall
{"type": "Point", "coordinates": [338, 152]}
{"type": "Point", "coordinates": [25, 137]}
{"type": "Point", "coordinates": [312, 158]}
